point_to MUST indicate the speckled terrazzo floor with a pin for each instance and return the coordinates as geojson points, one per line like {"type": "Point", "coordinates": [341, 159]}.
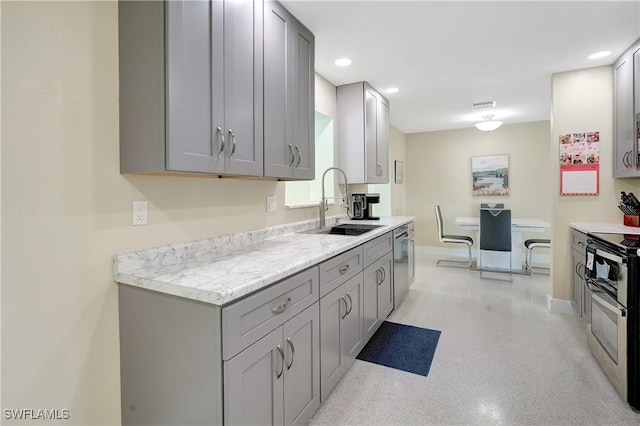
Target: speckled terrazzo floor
{"type": "Point", "coordinates": [502, 358]}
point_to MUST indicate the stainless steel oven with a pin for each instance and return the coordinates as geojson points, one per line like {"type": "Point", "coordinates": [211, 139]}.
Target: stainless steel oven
{"type": "Point", "coordinates": [612, 328]}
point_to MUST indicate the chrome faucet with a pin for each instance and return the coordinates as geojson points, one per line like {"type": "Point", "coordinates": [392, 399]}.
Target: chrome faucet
{"type": "Point", "coordinates": [323, 201]}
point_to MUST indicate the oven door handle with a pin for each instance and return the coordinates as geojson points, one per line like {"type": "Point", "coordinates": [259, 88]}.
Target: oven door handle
{"type": "Point", "coordinates": [614, 310]}
{"type": "Point", "coordinates": [611, 257]}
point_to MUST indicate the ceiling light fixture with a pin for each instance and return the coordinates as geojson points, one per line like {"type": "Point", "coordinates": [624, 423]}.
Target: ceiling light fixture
{"type": "Point", "coordinates": [600, 54]}
{"type": "Point", "coordinates": [343, 62]}
{"type": "Point", "coordinates": [392, 90]}
{"type": "Point", "coordinates": [489, 124]}
{"type": "Point", "coordinates": [488, 104]}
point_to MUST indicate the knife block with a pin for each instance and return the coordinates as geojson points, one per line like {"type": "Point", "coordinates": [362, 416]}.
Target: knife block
{"type": "Point", "coordinates": [631, 220]}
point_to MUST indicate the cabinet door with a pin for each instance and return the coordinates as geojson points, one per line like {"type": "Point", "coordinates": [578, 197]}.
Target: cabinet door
{"type": "Point", "coordinates": [302, 368]}
{"type": "Point", "coordinates": [371, 278]}
{"type": "Point", "coordinates": [378, 294]}
{"type": "Point", "coordinates": [371, 168]}
{"type": "Point", "coordinates": [303, 102]}
{"type": "Point", "coordinates": [636, 118]}
{"type": "Point", "coordinates": [382, 141]}
{"type": "Point", "coordinates": [385, 287]}
{"type": "Point", "coordinates": [279, 154]}
{"type": "Point", "coordinates": [333, 308]}
{"type": "Point", "coordinates": [577, 263]}
{"type": "Point", "coordinates": [623, 126]}
{"type": "Point", "coordinates": [352, 333]}
{"type": "Point", "coordinates": [254, 383]}
{"type": "Point", "coordinates": [194, 71]}
{"type": "Point", "coordinates": [243, 87]}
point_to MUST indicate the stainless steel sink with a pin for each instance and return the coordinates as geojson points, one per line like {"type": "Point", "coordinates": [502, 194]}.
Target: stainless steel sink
{"type": "Point", "coordinates": [352, 229]}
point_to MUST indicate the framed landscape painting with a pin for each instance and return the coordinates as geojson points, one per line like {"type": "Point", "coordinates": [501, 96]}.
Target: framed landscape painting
{"type": "Point", "coordinates": [490, 175]}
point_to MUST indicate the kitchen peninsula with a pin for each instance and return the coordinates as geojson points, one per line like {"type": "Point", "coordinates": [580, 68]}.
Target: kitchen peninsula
{"type": "Point", "coordinates": [244, 313]}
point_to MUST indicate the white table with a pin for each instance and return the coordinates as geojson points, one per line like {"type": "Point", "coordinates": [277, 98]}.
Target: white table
{"type": "Point", "coordinates": [497, 259]}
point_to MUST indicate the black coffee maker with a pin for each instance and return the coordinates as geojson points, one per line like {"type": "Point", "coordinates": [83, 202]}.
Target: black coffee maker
{"type": "Point", "coordinates": [362, 206]}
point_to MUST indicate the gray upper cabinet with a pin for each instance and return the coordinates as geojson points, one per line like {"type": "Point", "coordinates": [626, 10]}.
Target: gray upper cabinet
{"type": "Point", "coordinates": [363, 133]}
{"type": "Point", "coordinates": [626, 83]}
{"type": "Point", "coordinates": [289, 146]}
{"type": "Point", "coordinates": [191, 94]}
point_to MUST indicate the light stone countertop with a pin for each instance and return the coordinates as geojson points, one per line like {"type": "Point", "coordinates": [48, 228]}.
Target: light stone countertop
{"type": "Point", "coordinates": [605, 228]}
{"type": "Point", "coordinates": [222, 269]}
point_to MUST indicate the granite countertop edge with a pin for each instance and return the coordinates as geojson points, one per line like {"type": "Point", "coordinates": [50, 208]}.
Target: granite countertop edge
{"type": "Point", "coordinates": [208, 271]}
{"type": "Point", "coordinates": [604, 228]}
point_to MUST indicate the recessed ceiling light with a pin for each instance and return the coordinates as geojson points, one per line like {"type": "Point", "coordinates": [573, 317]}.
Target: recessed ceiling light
{"type": "Point", "coordinates": [392, 90]}
{"type": "Point", "coordinates": [343, 62]}
{"type": "Point", "coordinates": [600, 54]}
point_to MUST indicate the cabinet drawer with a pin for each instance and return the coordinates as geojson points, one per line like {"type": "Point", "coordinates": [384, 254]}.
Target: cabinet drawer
{"type": "Point", "coordinates": [578, 240]}
{"type": "Point", "coordinates": [248, 320]}
{"type": "Point", "coordinates": [339, 269]}
{"type": "Point", "coordinates": [377, 247]}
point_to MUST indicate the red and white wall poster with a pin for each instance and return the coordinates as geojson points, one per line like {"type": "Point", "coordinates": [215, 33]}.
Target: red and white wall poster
{"type": "Point", "coordinates": [580, 163]}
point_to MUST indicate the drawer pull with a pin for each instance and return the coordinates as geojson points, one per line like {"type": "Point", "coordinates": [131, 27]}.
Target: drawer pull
{"type": "Point", "coordinates": [278, 309]}
{"type": "Point", "coordinates": [282, 357]}
{"type": "Point", "coordinates": [343, 269]}
{"type": "Point", "coordinates": [293, 352]}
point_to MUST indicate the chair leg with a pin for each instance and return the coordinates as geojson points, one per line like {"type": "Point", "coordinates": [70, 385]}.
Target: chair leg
{"type": "Point", "coordinates": [498, 271]}
{"type": "Point", "coordinates": [530, 267]}
{"type": "Point", "coordinates": [457, 263]}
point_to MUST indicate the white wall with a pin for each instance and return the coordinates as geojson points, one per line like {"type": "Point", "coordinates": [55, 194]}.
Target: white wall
{"type": "Point", "coordinates": [438, 171]}
{"type": "Point", "coordinates": [66, 209]}
{"type": "Point", "coordinates": [582, 102]}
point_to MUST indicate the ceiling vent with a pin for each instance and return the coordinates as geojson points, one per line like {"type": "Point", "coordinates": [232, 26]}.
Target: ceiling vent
{"type": "Point", "coordinates": [490, 104]}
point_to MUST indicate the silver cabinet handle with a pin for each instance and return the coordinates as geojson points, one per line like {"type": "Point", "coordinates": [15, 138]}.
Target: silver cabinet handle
{"type": "Point", "coordinates": [384, 274]}
{"type": "Point", "coordinates": [343, 269]}
{"type": "Point", "coordinates": [378, 276]}
{"type": "Point", "coordinates": [282, 357]}
{"type": "Point", "coordinates": [345, 307]}
{"type": "Point", "coordinates": [221, 133]}
{"type": "Point", "coordinates": [293, 156]}
{"type": "Point", "coordinates": [293, 352]}
{"type": "Point", "coordinates": [281, 307]}
{"type": "Point", "coordinates": [580, 243]}
{"type": "Point", "coordinates": [350, 304]}
{"type": "Point", "coordinates": [299, 156]}
{"type": "Point", "coordinates": [233, 139]}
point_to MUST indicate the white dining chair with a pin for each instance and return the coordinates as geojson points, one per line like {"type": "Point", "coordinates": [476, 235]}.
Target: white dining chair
{"type": "Point", "coordinates": [456, 239]}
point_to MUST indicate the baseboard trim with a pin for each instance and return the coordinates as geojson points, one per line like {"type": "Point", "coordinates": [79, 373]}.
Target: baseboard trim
{"type": "Point", "coordinates": [538, 260]}
{"type": "Point", "coordinates": [560, 306]}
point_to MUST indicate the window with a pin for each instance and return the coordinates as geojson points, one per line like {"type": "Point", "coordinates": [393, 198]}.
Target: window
{"type": "Point", "coordinates": [307, 193]}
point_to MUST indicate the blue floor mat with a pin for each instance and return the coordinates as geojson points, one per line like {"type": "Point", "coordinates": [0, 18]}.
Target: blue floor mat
{"type": "Point", "coordinates": [403, 347]}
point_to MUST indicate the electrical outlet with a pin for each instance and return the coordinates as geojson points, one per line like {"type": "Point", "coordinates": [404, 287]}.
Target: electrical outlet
{"type": "Point", "coordinates": [272, 203]}
{"type": "Point", "coordinates": [139, 214]}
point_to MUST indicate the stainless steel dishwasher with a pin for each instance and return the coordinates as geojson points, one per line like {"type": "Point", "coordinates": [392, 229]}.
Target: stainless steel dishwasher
{"type": "Point", "coordinates": [403, 262]}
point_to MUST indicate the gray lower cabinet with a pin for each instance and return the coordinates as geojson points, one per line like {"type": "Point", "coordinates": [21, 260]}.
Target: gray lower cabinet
{"type": "Point", "coordinates": [626, 83]}
{"type": "Point", "coordinates": [340, 332]}
{"type": "Point", "coordinates": [276, 380]}
{"type": "Point", "coordinates": [191, 87]}
{"type": "Point", "coordinates": [579, 299]}
{"type": "Point", "coordinates": [289, 145]}
{"type": "Point", "coordinates": [378, 294]}
{"type": "Point", "coordinates": [269, 358]}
